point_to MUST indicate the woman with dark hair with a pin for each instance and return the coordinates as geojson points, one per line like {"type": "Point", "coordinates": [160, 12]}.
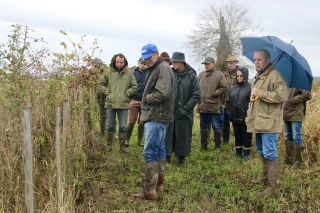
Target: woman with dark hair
{"type": "Point", "coordinates": [238, 101]}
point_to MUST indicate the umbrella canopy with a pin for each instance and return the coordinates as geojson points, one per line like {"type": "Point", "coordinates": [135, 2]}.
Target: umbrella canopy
{"type": "Point", "coordinates": [293, 66]}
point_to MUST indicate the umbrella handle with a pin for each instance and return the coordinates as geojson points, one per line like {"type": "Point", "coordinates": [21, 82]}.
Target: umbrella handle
{"type": "Point", "coordinates": [253, 99]}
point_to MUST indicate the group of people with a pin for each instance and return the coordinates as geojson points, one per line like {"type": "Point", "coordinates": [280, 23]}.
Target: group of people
{"type": "Point", "coordinates": [162, 92]}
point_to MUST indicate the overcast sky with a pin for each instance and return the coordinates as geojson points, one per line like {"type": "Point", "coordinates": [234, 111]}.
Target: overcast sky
{"type": "Point", "coordinates": [125, 26]}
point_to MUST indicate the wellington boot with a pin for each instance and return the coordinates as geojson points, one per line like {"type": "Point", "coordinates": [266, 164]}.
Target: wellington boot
{"type": "Point", "coordinates": [264, 177]}
{"type": "Point", "coordinates": [289, 151]}
{"type": "Point", "coordinates": [238, 152]}
{"type": "Point", "coordinates": [128, 135]}
{"type": "Point", "coordinates": [246, 154]}
{"type": "Point", "coordinates": [109, 141]}
{"type": "Point", "coordinates": [217, 141]}
{"type": "Point", "coordinates": [273, 180]}
{"type": "Point", "coordinates": [162, 167]}
{"type": "Point", "coordinates": [297, 156]}
{"type": "Point", "coordinates": [102, 123]}
{"type": "Point", "coordinates": [140, 135]}
{"type": "Point", "coordinates": [122, 138]}
{"type": "Point", "coordinates": [151, 179]}
{"type": "Point", "coordinates": [209, 135]}
{"type": "Point", "coordinates": [204, 137]}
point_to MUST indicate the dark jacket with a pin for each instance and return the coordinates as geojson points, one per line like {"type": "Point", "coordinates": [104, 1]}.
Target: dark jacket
{"type": "Point", "coordinates": [141, 80]}
{"type": "Point", "coordinates": [213, 86]}
{"type": "Point", "coordinates": [238, 102]}
{"type": "Point", "coordinates": [187, 95]}
{"type": "Point", "coordinates": [231, 79]}
{"type": "Point", "coordinates": [118, 85]}
{"type": "Point", "coordinates": [157, 99]}
{"type": "Point", "coordinates": [295, 107]}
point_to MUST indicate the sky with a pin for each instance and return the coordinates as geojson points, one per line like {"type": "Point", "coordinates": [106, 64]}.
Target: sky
{"type": "Point", "coordinates": [127, 25]}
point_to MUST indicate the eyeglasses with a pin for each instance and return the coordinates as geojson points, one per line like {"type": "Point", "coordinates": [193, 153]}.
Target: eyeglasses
{"type": "Point", "coordinates": [239, 75]}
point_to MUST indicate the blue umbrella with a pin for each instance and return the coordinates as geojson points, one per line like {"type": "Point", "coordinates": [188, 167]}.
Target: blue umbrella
{"type": "Point", "coordinates": [293, 66]}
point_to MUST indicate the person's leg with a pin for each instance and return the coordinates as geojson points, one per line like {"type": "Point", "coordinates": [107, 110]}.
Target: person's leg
{"type": "Point", "coordinates": [226, 127]}
{"type": "Point", "coordinates": [204, 119]}
{"type": "Point", "coordinates": [246, 140]}
{"type": "Point", "coordinates": [289, 142]}
{"type": "Point", "coordinates": [269, 143]}
{"type": "Point", "coordinates": [238, 139]}
{"type": "Point", "coordinates": [154, 151]}
{"type": "Point", "coordinates": [111, 114]}
{"type": "Point", "coordinates": [215, 119]}
{"type": "Point", "coordinates": [133, 115]}
{"type": "Point", "coordinates": [299, 147]}
{"type": "Point", "coordinates": [122, 118]}
{"type": "Point", "coordinates": [102, 120]}
{"type": "Point", "coordinates": [264, 176]}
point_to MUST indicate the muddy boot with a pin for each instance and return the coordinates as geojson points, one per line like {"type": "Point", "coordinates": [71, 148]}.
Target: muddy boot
{"type": "Point", "coordinates": [246, 154]}
{"type": "Point", "coordinates": [109, 141]}
{"type": "Point", "coordinates": [168, 159]}
{"type": "Point", "coordinates": [151, 179]}
{"type": "Point", "coordinates": [273, 180]}
{"type": "Point", "coordinates": [122, 138]}
{"type": "Point", "coordinates": [264, 177]}
{"type": "Point", "coordinates": [238, 152]}
{"type": "Point", "coordinates": [209, 134]}
{"type": "Point", "coordinates": [297, 155]}
{"type": "Point", "coordinates": [162, 167]}
{"type": "Point", "coordinates": [204, 138]}
{"type": "Point", "coordinates": [102, 123]}
{"type": "Point", "coordinates": [289, 151]}
{"type": "Point", "coordinates": [217, 141]}
{"type": "Point", "coordinates": [181, 160]}
{"type": "Point", "coordinates": [128, 135]}
{"type": "Point", "coordinates": [140, 134]}
{"type": "Point", "coordinates": [226, 135]}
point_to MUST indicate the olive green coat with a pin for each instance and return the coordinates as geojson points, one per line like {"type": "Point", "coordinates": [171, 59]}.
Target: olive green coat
{"type": "Point", "coordinates": [118, 86]}
{"type": "Point", "coordinates": [187, 95]}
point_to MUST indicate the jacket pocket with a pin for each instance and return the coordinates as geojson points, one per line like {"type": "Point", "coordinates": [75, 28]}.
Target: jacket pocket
{"type": "Point", "coordinates": [263, 122]}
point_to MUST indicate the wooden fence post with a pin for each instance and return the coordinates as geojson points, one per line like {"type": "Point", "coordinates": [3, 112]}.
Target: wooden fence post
{"type": "Point", "coordinates": [28, 158]}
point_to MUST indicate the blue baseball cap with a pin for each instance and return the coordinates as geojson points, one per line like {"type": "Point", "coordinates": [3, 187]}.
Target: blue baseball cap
{"type": "Point", "coordinates": [147, 51]}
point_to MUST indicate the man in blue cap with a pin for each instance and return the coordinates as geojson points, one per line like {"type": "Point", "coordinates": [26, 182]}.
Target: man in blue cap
{"type": "Point", "coordinates": [156, 113]}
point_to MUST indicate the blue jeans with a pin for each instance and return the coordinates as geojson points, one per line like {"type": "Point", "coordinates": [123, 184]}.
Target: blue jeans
{"type": "Point", "coordinates": [154, 147]}
{"type": "Point", "coordinates": [293, 131]}
{"type": "Point", "coordinates": [267, 145]}
{"type": "Point", "coordinates": [205, 118]}
{"type": "Point", "coordinates": [122, 118]}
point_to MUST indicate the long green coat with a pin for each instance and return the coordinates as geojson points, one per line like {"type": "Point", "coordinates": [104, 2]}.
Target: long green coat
{"type": "Point", "coordinates": [187, 95]}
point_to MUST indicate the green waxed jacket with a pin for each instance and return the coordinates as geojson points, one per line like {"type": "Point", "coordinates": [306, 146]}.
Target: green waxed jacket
{"type": "Point", "coordinates": [187, 95]}
{"type": "Point", "coordinates": [265, 115]}
{"type": "Point", "coordinates": [118, 86]}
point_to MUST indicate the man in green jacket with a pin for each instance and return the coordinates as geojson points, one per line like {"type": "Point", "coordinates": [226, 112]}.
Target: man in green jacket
{"type": "Point", "coordinates": [187, 95]}
{"type": "Point", "coordinates": [118, 86]}
{"type": "Point", "coordinates": [294, 112]}
{"type": "Point", "coordinates": [264, 117]}
{"type": "Point", "coordinates": [213, 87]}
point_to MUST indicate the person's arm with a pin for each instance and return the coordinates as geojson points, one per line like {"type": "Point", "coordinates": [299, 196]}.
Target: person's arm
{"type": "Point", "coordinates": [195, 98]}
{"type": "Point", "coordinates": [222, 87]}
{"type": "Point", "coordinates": [279, 94]}
{"type": "Point", "coordinates": [303, 96]}
{"type": "Point", "coordinates": [163, 87]}
{"type": "Point", "coordinates": [132, 87]}
{"type": "Point", "coordinates": [103, 84]}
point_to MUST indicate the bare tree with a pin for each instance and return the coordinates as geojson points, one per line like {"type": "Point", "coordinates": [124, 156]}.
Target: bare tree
{"type": "Point", "coordinates": [218, 30]}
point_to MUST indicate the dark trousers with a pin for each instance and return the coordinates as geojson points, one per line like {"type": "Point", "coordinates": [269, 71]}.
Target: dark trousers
{"type": "Point", "coordinates": [242, 137]}
{"type": "Point", "coordinates": [226, 120]}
